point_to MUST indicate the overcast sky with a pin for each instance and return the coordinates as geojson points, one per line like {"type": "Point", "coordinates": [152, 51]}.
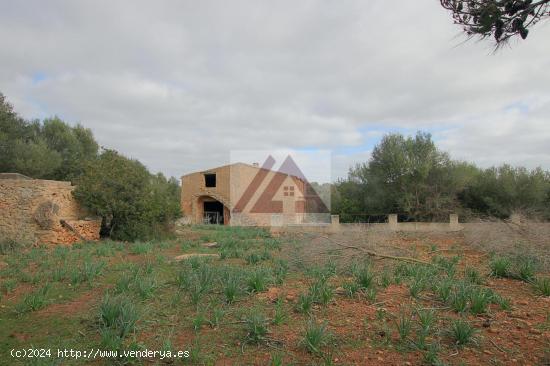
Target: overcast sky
{"type": "Point", "coordinates": [179, 85]}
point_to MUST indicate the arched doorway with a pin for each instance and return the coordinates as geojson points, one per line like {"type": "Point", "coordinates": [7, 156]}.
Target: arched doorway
{"type": "Point", "coordinates": [211, 211]}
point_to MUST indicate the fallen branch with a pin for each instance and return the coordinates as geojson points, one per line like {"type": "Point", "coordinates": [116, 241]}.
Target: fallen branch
{"type": "Point", "coordinates": [374, 254]}
{"type": "Point", "coordinates": [71, 228]}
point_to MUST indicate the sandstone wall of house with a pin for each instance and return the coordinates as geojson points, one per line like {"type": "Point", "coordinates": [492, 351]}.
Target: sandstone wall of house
{"type": "Point", "coordinates": [32, 211]}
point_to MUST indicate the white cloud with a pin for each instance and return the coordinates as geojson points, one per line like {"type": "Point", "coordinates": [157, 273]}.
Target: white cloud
{"type": "Point", "coordinates": [179, 84]}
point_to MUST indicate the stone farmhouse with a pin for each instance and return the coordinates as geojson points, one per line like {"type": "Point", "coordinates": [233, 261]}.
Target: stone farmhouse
{"type": "Point", "coordinates": [244, 194]}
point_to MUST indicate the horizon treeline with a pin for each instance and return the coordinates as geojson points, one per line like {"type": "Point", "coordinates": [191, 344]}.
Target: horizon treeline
{"type": "Point", "coordinates": [410, 176]}
{"type": "Point", "coordinates": [132, 202]}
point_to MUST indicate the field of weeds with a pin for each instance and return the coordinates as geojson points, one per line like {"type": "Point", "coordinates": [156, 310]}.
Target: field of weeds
{"type": "Point", "coordinates": [254, 299]}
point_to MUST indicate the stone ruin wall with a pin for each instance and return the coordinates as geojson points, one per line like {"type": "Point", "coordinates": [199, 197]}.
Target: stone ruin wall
{"type": "Point", "coordinates": [32, 211]}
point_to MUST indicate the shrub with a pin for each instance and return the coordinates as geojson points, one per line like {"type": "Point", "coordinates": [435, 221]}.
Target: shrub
{"type": "Point", "coordinates": [316, 336]}
{"type": "Point", "coordinates": [462, 332]}
{"type": "Point", "coordinates": [133, 203]}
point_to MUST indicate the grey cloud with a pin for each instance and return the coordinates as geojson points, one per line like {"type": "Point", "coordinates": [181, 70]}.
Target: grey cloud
{"type": "Point", "coordinates": [179, 84]}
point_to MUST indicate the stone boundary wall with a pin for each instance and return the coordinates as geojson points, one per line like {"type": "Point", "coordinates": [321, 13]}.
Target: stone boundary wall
{"type": "Point", "coordinates": [391, 226]}
{"type": "Point", "coordinates": [31, 211]}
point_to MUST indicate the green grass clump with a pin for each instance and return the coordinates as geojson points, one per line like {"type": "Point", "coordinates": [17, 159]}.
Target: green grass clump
{"type": "Point", "coordinates": [500, 267]}
{"type": "Point", "coordinates": [258, 279]}
{"type": "Point", "coordinates": [460, 297]}
{"type": "Point", "coordinates": [526, 267]}
{"type": "Point", "coordinates": [462, 332]}
{"type": "Point", "coordinates": [280, 314]}
{"type": "Point", "coordinates": [216, 318]}
{"type": "Point", "coordinates": [280, 270]}
{"type": "Point", "coordinates": [118, 314]}
{"type": "Point", "coordinates": [146, 287]}
{"type": "Point", "coordinates": [480, 298]}
{"type": "Point", "coordinates": [473, 276]}
{"type": "Point", "coordinates": [36, 300]}
{"type": "Point", "coordinates": [253, 258]}
{"type": "Point", "coordinates": [364, 275]}
{"type": "Point", "coordinates": [123, 283]}
{"type": "Point", "coordinates": [321, 292]}
{"type": "Point", "coordinates": [304, 303]}
{"type": "Point", "coordinates": [232, 287]}
{"type": "Point", "coordinates": [542, 285]}
{"type": "Point", "coordinates": [256, 327]}
{"type": "Point", "coordinates": [416, 286]}
{"type": "Point", "coordinates": [8, 246]}
{"type": "Point", "coordinates": [447, 264]}
{"type": "Point", "coordinates": [8, 285]}
{"type": "Point", "coordinates": [316, 336]}
{"type": "Point", "coordinates": [426, 321]}
{"type": "Point", "coordinates": [443, 289]}
{"type": "Point", "coordinates": [141, 248]}
{"type": "Point", "coordinates": [87, 272]}
{"type": "Point", "coordinates": [404, 326]}
{"type": "Point", "coordinates": [198, 321]}
{"type": "Point", "coordinates": [351, 288]}
{"type": "Point", "coordinates": [385, 278]}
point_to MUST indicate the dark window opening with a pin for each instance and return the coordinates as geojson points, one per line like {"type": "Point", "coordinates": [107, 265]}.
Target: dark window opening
{"type": "Point", "coordinates": [210, 180]}
{"type": "Point", "coordinates": [213, 212]}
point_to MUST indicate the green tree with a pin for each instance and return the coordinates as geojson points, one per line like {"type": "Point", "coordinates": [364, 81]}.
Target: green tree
{"type": "Point", "coordinates": [76, 145]}
{"type": "Point", "coordinates": [132, 203]}
{"type": "Point", "coordinates": [500, 19]}
{"type": "Point", "coordinates": [48, 150]}
{"type": "Point", "coordinates": [501, 191]}
{"type": "Point", "coordinates": [406, 175]}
